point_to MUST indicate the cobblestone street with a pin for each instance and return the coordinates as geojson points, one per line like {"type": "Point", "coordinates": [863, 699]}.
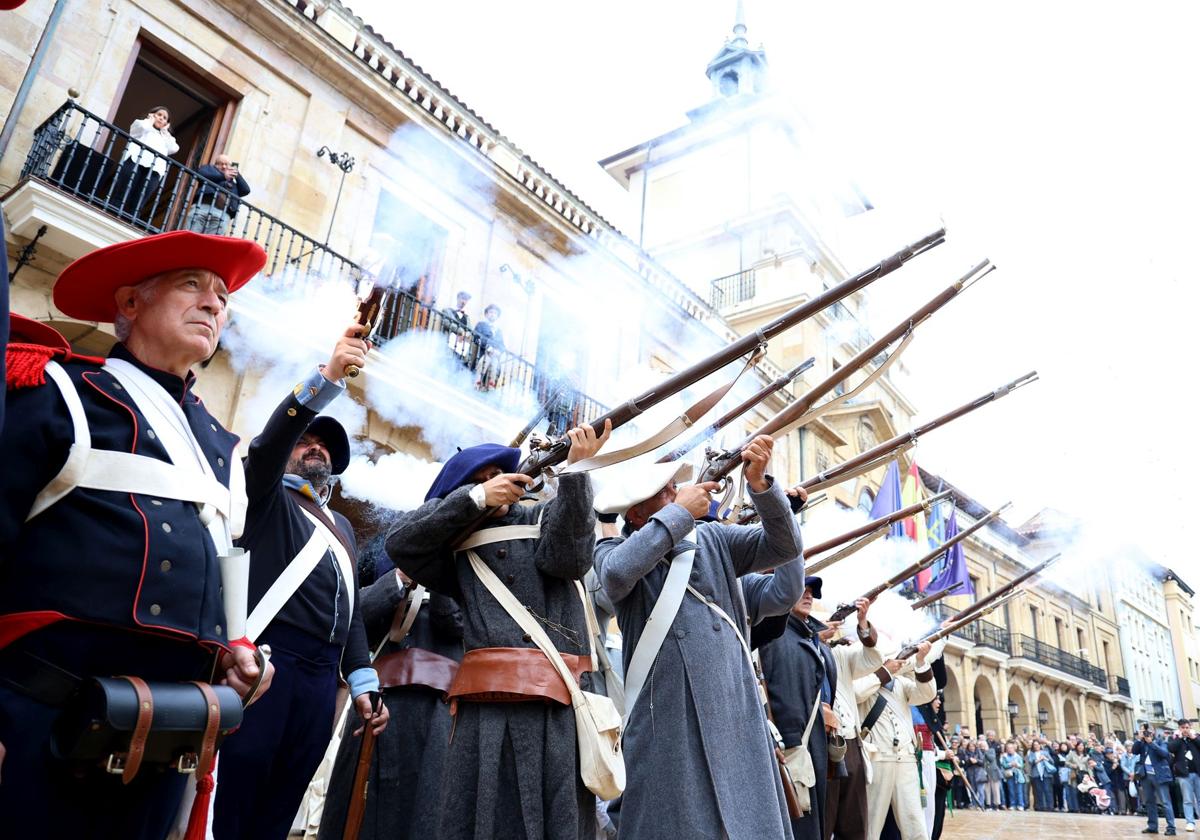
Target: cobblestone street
{"type": "Point", "coordinates": [1031, 825]}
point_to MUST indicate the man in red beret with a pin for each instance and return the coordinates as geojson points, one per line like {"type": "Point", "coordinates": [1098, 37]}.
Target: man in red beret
{"type": "Point", "coordinates": [120, 493]}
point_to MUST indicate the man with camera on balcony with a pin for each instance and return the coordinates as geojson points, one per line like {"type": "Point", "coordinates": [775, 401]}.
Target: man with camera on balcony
{"type": "Point", "coordinates": [216, 203]}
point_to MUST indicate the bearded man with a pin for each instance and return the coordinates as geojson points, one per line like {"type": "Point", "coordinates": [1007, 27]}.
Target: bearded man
{"type": "Point", "coordinates": [304, 588]}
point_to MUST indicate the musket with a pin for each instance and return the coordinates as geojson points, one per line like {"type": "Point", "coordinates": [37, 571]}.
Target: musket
{"type": "Point", "coordinates": [943, 632]}
{"type": "Point", "coordinates": [878, 528]}
{"type": "Point", "coordinates": [519, 439]}
{"type": "Point", "coordinates": [367, 314]}
{"type": "Point", "coordinates": [876, 524]}
{"type": "Point", "coordinates": [720, 465]}
{"type": "Point", "coordinates": [1006, 588]}
{"type": "Point", "coordinates": [922, 564]}
{"type": "Point", "coordinates": [877, 455]}
{"type": "Point", "coordinates": [738, 410]}
{"type": "Point", "coordinates": [538, 462]}
{"type": "Point", "coordinates": [936, 596]}
{"type": "Point", "coordinates": [362, 774]}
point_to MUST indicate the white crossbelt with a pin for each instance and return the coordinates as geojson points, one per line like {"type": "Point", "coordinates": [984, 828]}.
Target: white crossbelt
{"type": "Point", "coordinates": [323, 539]}
{"type": "Point", "coordinates": [187, 477]}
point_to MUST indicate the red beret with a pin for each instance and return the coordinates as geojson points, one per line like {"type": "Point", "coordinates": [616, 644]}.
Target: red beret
{"type": "Point", "coordinates": [22, 330]}
{"type": "Point", "coordinates": [87, 288]}
{"type": "Point", "coordinates": [6, 5]}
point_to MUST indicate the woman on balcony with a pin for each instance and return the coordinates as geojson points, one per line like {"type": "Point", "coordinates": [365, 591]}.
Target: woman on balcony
{"type": "Point", "coordinates": [145, 162]}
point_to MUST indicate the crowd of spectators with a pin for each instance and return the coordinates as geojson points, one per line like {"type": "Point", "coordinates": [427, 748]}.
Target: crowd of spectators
{"type": "Point", "coordinates": [1085, 773]}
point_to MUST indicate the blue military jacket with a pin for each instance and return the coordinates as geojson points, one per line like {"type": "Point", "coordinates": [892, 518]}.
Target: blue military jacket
{"type": "Point", "coordinates": [115, 559]}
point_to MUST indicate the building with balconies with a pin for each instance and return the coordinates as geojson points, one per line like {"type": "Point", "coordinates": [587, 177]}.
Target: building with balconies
{"type": "Point", "coordinates": [1185, 640]}
{"type": "Point", "coordinates": [745, 206]}
{"type": "Point", "coordinates": [1048, 660]}
{"type": "Point", "coordinates": [425, 197]}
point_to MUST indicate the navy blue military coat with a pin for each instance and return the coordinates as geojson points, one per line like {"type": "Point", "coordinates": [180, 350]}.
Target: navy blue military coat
{"type": "Point", "coordinates": [120, 560]}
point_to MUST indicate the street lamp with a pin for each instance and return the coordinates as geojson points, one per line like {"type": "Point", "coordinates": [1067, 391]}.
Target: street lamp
{"type": "Point", "coordinates": [344, 162]}
{"type": "Point", "coordinates": [1043, 717]}
{"type": "Point", "coordinates": [1013, 708]}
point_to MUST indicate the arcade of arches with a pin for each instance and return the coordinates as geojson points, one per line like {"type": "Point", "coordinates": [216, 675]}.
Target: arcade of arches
{"type": "Point", "coordinates": [1042, 703]}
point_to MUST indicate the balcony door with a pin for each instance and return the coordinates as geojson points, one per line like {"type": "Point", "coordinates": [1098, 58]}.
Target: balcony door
{"type": "Point", "coordinates": [201, 111]}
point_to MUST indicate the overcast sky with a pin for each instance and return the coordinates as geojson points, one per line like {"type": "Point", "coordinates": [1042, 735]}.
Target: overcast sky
{"type": "Point", "coordinates": [1058, 139]}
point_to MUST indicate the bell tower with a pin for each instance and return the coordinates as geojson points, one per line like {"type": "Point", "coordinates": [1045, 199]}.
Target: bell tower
{"type": "Point", "coordinates": [737, 69]}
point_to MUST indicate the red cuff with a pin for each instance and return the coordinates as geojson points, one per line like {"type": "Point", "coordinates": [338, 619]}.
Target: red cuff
{"type": "Point", "coordinates": [243, 643]}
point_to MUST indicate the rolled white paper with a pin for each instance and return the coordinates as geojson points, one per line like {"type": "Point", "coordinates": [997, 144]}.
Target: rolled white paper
{"type": "Point", "coordinates": [235, 591]}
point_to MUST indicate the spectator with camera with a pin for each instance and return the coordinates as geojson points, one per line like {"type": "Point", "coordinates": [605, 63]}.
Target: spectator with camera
{"type": "Point", "coordinates": [216, 203]}
{"type": "Point", "coordinates": [1154, 776]}
{"type": "Point", "coordinates": [1185, 765]}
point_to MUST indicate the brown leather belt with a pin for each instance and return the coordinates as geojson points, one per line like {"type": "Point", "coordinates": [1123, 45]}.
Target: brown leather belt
{"type": "Point", "coordinates": [416, 666]}
{"type": "Point", "coordinates": [513, 675]}
{"type": "Point", "coordinates": [145, 716]}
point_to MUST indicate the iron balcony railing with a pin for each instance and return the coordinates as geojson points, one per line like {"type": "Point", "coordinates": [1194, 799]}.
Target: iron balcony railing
{"type": "Point", "coordinates": [978, 632]}
{"type": "Point", "coordinates": [732, 289]}
{"type": "Point", "coordinates": [104, 166]}
{"type": "Point", "coordinates": [1118, 685]}
{"type": "Point", "coordinates": [504, 378]}
{"type": "Point", "coordinates": [1039, 651]}
{"type": "Point", "coordinates": [98, 163]}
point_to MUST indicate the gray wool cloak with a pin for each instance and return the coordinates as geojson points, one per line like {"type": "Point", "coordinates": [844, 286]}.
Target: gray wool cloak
{"type": "Point", "coordinates": [406, 767]}
{"type": "Point", "coordinates": [511, 768]}
{"type": "Point", "coordinates": [699, 757]}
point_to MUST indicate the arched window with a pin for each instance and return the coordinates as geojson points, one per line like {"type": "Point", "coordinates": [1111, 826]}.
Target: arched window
{"type": "Point", "coordinates": [866, 500]}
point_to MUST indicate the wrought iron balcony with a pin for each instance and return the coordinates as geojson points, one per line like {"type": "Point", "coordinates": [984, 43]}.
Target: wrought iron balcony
{"type": "Point", "coordinates": [1045, 654]}
{"type": "Point", "coordinates": [978, 632]}
{"type": "Point", "coordinates": [732, 289]}
{"type": "Point", "coordinates": [514, 381]}
{"type": "Point", "coordinates": [100, 164]}
{"type": "Point", "coordinates": [1118, 685]}
{"type": "Point", "coordinates": [97, 163]}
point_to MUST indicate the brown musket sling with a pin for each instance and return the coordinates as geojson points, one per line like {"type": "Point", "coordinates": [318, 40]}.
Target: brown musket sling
{"type": "Point", "coordinates": [512, 675]}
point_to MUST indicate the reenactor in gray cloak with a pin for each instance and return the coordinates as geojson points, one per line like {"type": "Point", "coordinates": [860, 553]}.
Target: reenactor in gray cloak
{"type": "Point", "coordinates": [512, 767]}
{"type": "Point", "coordinates": [698, 752]}
{"type": "Point", "coordinates": [418, 636]}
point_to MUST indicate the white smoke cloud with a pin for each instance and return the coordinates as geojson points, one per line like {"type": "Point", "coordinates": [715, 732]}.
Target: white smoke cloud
{"type": "Point", "coordinates": [396, 482]}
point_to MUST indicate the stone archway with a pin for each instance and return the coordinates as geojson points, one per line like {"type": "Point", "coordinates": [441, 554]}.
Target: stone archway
{"type": "Point", "coordinates": [1023, 721]}
{"type": "Point", "coordinates": [1072, 724]}
{"type": "Point", "coordinates": [988, 714]}
{"type": "Point", "coordinates": [956, 715]}
{"type": "Point", "coordinates": [1051, 727]}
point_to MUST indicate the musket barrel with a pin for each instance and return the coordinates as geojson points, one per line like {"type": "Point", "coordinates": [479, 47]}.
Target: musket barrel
{"type": "Point", "coordinates": [537, 463]}
{"type": "Point", "coordinates": [737, 411]}
{"type": "Point", "coordinates": [875, 524]}
{"type": "Point", "coordinates": [721, 467]}
{"type": "Point", "coordinates": [926, 561]}
{"type": "Point", "coordinates": [846, 469]}
{"type": "Point", "coordinates": [953, 625]}
{"type": "Point", "coordinates": [936, 596]}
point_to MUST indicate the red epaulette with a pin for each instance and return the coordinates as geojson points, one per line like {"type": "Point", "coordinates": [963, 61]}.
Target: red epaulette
{"type": "Point", "coordinates": [25, 364]}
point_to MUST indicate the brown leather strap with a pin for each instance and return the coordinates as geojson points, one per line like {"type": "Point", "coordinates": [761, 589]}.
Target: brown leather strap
{"type": "Point", "coordinates": [141, 730]}
{"type": "Point", "coordinates": [510, 675]}
{"type": "Point", "coordinates": [324, 516]}
{"type": "Point", "coordinates": [212, 724]}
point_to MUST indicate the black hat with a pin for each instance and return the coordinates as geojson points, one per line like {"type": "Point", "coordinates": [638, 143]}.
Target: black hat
{"type": "Point", "coordinates": [813, 583]}
{"type": "Point", "coordinates": [334, 437]}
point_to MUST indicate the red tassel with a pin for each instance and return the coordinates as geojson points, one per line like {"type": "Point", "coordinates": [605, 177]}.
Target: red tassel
{"type": "Point", "coordinates": [198, 819]}
{"type": "Point", "coordinates": [25, 365]}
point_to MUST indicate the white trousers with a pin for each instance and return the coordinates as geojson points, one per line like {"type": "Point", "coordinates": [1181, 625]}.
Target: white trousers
{"type": "Point", "coordinates": [929, 777]}
{"type": "Point", "coordinates": [895, 784]}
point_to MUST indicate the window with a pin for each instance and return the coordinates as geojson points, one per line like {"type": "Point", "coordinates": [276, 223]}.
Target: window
{"type": "Point", "coordinates": [866, 500]}
{"type": "Point", "coordinates": [1061, 640]}
{"type": "Point", "coordinates": [1033, 621]}
{"type": "Point", "coordinates": [978, 590]}
{"type": "Point", "coordinates": [410, 247]}
{"type": "Point", "coordinates": [1081, 650]}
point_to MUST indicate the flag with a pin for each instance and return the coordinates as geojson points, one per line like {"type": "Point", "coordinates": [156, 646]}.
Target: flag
{"type": "Point", "coordinates": [914, 526]}
{"type": "Point", "coordinates": [955, 563]}
{"type": "Point", "coordinates": [887, 500]}
{"type": "Point", "coordinates": [937, 535]}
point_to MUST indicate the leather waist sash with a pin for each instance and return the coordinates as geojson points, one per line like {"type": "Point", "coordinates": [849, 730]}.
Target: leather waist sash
{"type": "Point", "coordinates": [513, 675]}
{"type": "Point", "coordinates": [416, 666]}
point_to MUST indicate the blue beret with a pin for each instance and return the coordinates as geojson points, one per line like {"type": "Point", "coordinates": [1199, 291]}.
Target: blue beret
{"type": "Point", "coordinates": [466, 462]}
{"type": "Point", "coordinates": [813, 583]}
